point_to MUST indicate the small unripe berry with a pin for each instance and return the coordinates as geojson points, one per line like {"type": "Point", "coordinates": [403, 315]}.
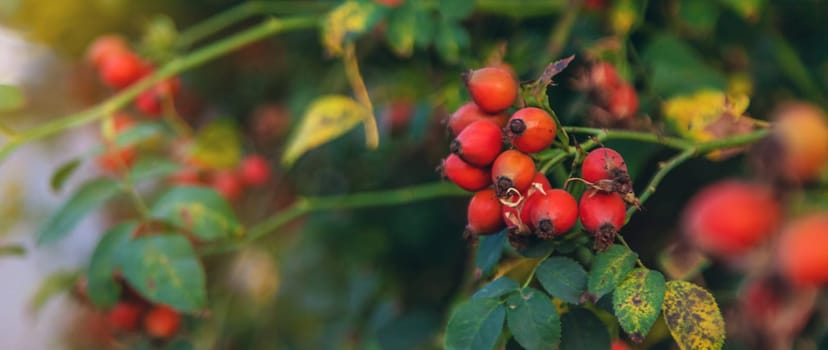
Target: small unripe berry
{"type": "Point", "coordinates": [493, 89]}
{"type": "Point", "coordinates": [802, 131]}
{"type": "Point", "coordinates": [120, 69]}
{"type": "Point", "coordinates": [464, 175]}
{"type": "Point", "coordinates": [512, 169]}
{"type": "Point", "coordinates": [552, 214]}
{"type": "Point", "coordinates": [531, 130]}
{"type": "Point", "coordinates": [602, 214]}
{"type": "Point", "coordinates": [470, 113]}
{"type": "Point", "coordinates": [623, 102]}
{"type": "Point", "coordinates": [730, 217]}
{"type": "Point", "coordinates": [604, 77]}
{"type": "Point", "coordinates": [479, 143]}
{"type": "Point", "coordinates": [484, 214]}
{"type": "Point", "coordinates": [254, 170]}
{"type": "Point", "coordinates": [125, 316]}
{"type": "Point", "coordinates": [162, 322]}
{"type": "Point", "coordinates": [801, 251]}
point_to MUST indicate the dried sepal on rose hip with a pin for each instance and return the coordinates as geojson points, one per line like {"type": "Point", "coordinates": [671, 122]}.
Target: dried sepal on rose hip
{"type": "Point", "coordinates": [512, 171]}
{"type": "Point", "coordinates": [602, 214]}
{"type": "Point", "coordinates": [604, 169]}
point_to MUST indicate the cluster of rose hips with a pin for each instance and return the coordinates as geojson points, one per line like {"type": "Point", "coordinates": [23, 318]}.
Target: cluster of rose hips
{"type": "Point", "coordinates": [118, 67]}
{"type": "Point", "coordinates": [252, 172]}
{"type": "Point", "coordinates": [510, 192]}
{"type": "Point", "coordinates": [133, 313]}
{"type": "Point", "coordinates": [615, 101]}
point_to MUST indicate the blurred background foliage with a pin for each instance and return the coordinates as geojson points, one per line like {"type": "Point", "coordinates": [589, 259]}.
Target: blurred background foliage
{"type": "Point", "coordinates": [386, 277]}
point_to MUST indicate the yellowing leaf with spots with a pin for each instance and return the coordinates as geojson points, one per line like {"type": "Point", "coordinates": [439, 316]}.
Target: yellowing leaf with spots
{"type": "Point", "coordinates": [164, 269]}
{"type": "Point", "coordinates": [637, 302]}
{"type": "Point", "coordinates": [347, 21]}
{"type": "Point", "coordinates": [199, 210]}
{"type": "Point", "coordinates": [327, 118]}
{"type": "Point", "coordinates": [218, 145]}
{"type": "Point", "coordinates": [693, 317]}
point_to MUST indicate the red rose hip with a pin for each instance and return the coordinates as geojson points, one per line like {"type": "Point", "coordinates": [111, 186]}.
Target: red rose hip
{"type": "Point", "coordinates": [470, 113]}
{"type": "Point", "coordinates": [479, 143]}
{"type": "Point", "coordinates": [512, 169]}
{"type": "Point", "coordinates": [464, 175]}
{"type": "Point", "coordinates": [623, 102]}
{"type": "Point", "coordinates": [254, 170]}
{"type": "Point", "coordinates": [484, 214]}
{"type": "Point", "coordinates": [801, 251]}
{"type": "Point", "coordinates": [493, 89]}
{"type": "Point", "coordinates": [162, 322]}
{"type": "Point", "coordinates": [125, 316]}
{"type": "Point", "coordinates": [531, 130]}
{"type": "Point", "coordinates": [602, 214]}
{"type": "Point", "coordinates": [552, 214]}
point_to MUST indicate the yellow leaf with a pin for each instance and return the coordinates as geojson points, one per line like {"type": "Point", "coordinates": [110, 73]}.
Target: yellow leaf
{"type": "Point", "coordinates": [345, 21]}
{"type": "Point", "coordinates": [218, 145]}
{"type": "Point", "coordinates": [327, 118]}
{"type": "Point", "coordinates": [693, 317]}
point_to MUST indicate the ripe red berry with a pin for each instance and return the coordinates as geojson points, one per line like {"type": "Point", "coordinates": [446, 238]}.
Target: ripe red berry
{"type": "Point", "coordinates": [227, 184]}
{"type": "Point", "coordinates": [801, 251]}
{"type": "Point", "coordinates": [162, 322]}
{"type": "Point", "coordinates": [802, 131]}
{"type": "Point", "coordinates": [464, 175]}
{"type": "Point", "coordinates": [512, 169]}
{"type": "Point", "coordinates": [552, 214]}
{"type": "Point", "coordinates": [623, 102]}
{"type": "Point", "coordinates": [493, 89]}
{"type": "Point", "coordinates": [602, 214]}
{"type": "Point", "coordinates": [484, 214]}
{"type": "Point", "coordinates": [619, 345]}
{"type": "Point", "coordinates": [105, 45]}
{"type": "Point", "coordinates": [125, 316]}
{"type": "Point", "coordinates": [470, 113]}
{"type": "Point", "coordinates": [479, 143]}
{"type": "Point", "coordinates": [254, 170]}
{"type": "Point", "coordinates": [603, 164]}
{"type": "Point", "coordinates": [531, 130]}
{"type": "Point", "coordinates": [604, 77]}
{"type": "Point", "coordinates": [730, 217]}
{"type": "Point", "coordinates": [150, 101]}
{"type": "Point", "coordinates": [186, 176]}
{"type": "Point", "coordinates": [116, 159]}
{"type": "Point", "coordinates": [120, 69]}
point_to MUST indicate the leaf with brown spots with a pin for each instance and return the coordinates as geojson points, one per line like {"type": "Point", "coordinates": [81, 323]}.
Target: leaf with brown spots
{"type": "Point", "coordinates": [199, 210]}
{"type": "Point", "coordinates": [608, 270]}
{"type": "Point", "coordinates": [693, 317]}
{"type": "Point", "coordinates": [637, 302]}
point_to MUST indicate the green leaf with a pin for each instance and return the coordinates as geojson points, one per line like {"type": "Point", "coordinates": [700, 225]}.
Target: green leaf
{"type": "Point", "coordinates": [610, 268]}
{"type": "Point", "coordinates": [10, 98]}
{"type": "Point", "coordinates": [327, 118]}
{"type": "Point", "coordinates": [693, 316]}
{"type": "Point", "coordinates": [456, 9]}
{"type": "Point", "coordinates": [63, 173]}
{"type": "Point", "coordinates": [180, 344]}
{"type": "Point", "coordinates": [451, 39]}
{"type": "Point", "coordinates": [497, 288]}
{"type": "Point", "coordinates": [563, 278]}
{"type": "Point", "coordinates": [89, 196]}
{"type": "Point", "coordinates": [347, 22]}
{"type": "Point", "coordinates": [748, 9]}
{"type": "Point", "coordinates": [678, 69]}
{"type": "Point", "coordinates": [489, 250]}
{"type": "Point", "coordinates": [582, 330]}
{"type": "Point", "coordinates": [102, 288]}
{"type": "Point", "coordinates": [51, 286]}
{"type": "Point", "coordinates": [165, 269]}
{"type": "Point", "coordinates": [12, 250]}
{"type": "Point", "coordinates": [475, 325]}
{"type": "Point", "coordinates": [699, 15]}
{"type": "Point", "coordinates": [637, 302]}
{"type": "Point", "coordinates": [533, 319]}
{"type": "Point", "coordinates": [138, 133]}
{"type": "Point", "coordinates": [200, 210]}
{"type": "Point", "coordinates": [152, 167]}
{"type": "Point", "coordinates": [402, 29]}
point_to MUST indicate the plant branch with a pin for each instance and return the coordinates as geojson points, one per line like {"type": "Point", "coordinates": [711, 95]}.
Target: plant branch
{"type": "Point", "coordinates": [307, 205]}
{"type": "Point", "coordinates": [361, 92]}
{"type": "Point", "coordinates": [176, 66]}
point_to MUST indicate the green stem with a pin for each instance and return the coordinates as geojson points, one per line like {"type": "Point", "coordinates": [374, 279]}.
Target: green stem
{"type": "Point", "coordinates": [176, 66]}
{"type": "Point", "coordinates": [604, 134]}
{"type": "Point", "coordinates": [348, 201]}
{"type": "Point", "coordinates": [243, 11]}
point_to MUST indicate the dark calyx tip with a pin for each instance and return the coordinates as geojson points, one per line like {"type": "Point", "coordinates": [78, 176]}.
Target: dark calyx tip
{"type": "Point", "coordinates": [466, 76]}
{"type": "Point", "coordinates": [545, 229]}
{"type": "Point", "coordinates": [502, 186]}
{"type": "Point", "coordinates": [605, 237]}
{"type": "Point", "coordinates": [517, 126]}
{"type": "Point", "coordinates": [456, 147]}
{"type": "Point", "coordinates": [469, 235]}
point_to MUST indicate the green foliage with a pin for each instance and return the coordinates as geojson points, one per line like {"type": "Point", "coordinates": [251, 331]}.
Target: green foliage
{"type": "Point", "coordinates": [475, 324]}
{"type": "Point", "coordinates": [489, 251]}
{"type": "Point", "coordinates": [563, 278]}
{"type": "Point", "coordinates": [608, 270]}
{"type": "Point", "coordinates": [90, 196]}
{"type": "Point", "coordinates": [102, 288]}
{"type": "Point", "coordinates": [152, 168]}
{"type": "Point", "coordinates": [693, 316]}
{"type": "Point", "coordinates": [637, 301]}
{"type": "Point", "coordinates": [63, 173]}
{"type": "Point", "coordinates": [497, 288]}
{"type": "Point", "coordinates": [533, 319]}
{"type": "Point", "coordinates": [582, 330]}
{"type": "Point", "coordinates": [199, 210]}
{"type": "Point", "coordinates": [677, 68]}
{"type": "Point", "coordinates": [51, 286]}
{"type": "Point", "coordinates": [165, 269]}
